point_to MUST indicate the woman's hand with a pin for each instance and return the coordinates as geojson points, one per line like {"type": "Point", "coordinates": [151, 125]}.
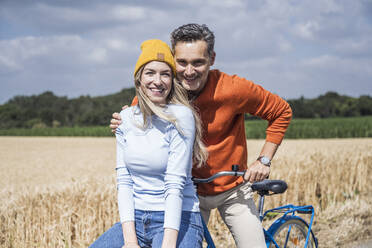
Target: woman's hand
{"type": "Point", "coordinates": [169, 238]}
{"type": "Point", "coordinates": [129, 234]}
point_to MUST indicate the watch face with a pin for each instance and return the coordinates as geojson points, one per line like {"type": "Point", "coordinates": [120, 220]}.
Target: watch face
{"type": "Point", "coordinates": [265, 160]}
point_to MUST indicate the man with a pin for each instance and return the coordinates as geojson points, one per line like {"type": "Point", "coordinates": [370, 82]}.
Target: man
{"type": "Point", "coordinates": [222, 100]}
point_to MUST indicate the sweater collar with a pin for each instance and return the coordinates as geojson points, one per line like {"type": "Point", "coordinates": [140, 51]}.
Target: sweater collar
{"type": "Point", "coordinates": [213, 78]}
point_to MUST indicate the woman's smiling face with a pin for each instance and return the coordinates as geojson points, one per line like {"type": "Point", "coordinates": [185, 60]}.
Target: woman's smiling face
{"type": "Point", "coordinates": [156, 81]}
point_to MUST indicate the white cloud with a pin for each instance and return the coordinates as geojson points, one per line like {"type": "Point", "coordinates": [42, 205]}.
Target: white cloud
{"type": "Point", "coordinates": [8, 65]}
{"type": "Point", "coordinates": [354, 47]}
{"type": "Point", "coordinates": [339, 65]}
{"type": "Point", "coordinates": [23, 48]}
{"type": "Point", "coordinates": [332, 6]}
{"type": "Point", "coordinates": [307, 30]}
{"type": "Point", "coordinates": [278, 43]}
{"type": "Point", "coordinates": [26, 50]}
{"type": "Point", "coordinates": [98, 55]}
{"type": "Point", "coordinates": [324, 60]}
{"type": "Point", "coordinates": [122, 12]}
{"type": "Point", "coordinates": [116, 44]}
{"type": "Point", "coordinates": [255, 64]}
{"type": "Point", "coordinates": [65, 14]}
{"type": "Point", "coordinates": [284, 45]}
{"type": "Point", "coordinates": [225, 4]}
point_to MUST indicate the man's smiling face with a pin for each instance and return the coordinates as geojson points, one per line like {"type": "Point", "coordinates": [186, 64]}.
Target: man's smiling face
{"type": "Point", "coordinates": [192, 64]}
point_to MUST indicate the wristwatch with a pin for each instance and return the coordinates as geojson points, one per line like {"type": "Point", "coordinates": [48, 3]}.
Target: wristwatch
{"type": "Point", "coordinates": [264, 160]}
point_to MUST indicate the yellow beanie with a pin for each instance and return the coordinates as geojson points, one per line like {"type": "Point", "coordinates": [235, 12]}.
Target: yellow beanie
{"type": "Point", "coordinates": [155, 50]}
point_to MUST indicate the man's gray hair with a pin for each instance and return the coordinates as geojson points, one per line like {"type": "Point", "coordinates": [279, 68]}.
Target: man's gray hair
{"type": "Point", "coordinates": [193, 32]}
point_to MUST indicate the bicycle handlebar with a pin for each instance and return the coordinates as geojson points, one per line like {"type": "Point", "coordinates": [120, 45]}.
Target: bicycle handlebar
{"type": "Point", "coordinates": [262, 187]}
{"type": "Point", "coordinates": [217, 175]}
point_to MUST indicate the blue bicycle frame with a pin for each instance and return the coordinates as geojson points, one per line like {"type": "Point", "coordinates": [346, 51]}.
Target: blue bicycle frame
{"type": "Point", "coordinates": [288, 212]}
{"type": "Point", "coordinates": [207, 236]}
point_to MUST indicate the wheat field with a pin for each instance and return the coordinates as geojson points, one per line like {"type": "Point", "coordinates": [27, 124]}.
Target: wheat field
{"type": "Point", "coordinates": [60, 192]}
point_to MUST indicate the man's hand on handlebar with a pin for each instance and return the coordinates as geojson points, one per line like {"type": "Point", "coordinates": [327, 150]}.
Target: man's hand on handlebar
{"type": "Point", "coordinates": [256, 172]}
{"type": "Point", "coordinates": [116, 120]}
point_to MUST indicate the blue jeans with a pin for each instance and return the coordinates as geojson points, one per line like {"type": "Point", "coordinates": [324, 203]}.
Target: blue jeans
{"type": "Point", "coordinates": [150, 231]}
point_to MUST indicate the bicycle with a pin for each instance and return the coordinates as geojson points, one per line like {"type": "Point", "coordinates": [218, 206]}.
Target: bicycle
{"type": "Point", "coordinates": [288, 230]}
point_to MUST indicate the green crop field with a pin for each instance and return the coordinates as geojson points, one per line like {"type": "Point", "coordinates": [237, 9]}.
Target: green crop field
{"type": "Point", "coordinates": [353, 127]}
{"type": "Point", "coordinates": [97, 131]}
{"type": "Point", "coordinates": [316, 128]}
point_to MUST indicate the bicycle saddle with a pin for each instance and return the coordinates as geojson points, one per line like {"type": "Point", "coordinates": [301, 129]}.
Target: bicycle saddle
{"type": "Point", "coordinates": [266, 186]}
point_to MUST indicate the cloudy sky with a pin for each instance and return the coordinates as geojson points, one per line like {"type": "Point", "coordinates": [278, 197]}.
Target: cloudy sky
{"type": "Point", "coordinates": [89, 47]}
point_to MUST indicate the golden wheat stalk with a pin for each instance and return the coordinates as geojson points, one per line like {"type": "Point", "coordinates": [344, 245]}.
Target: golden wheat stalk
{"type": "Point", "coordinates": [71, 199]}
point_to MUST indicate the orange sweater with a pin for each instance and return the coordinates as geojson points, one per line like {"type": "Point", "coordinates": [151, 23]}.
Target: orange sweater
{"type": "Point", "coordinates": [222, 105]}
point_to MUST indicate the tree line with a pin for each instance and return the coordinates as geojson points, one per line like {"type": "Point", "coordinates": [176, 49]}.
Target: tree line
{"type": "Point", "coordinates": [49, 110]}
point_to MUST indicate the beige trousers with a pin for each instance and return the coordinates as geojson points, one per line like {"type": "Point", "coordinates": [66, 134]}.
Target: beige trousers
{"type": "Point", "coordinates": [238, 210]}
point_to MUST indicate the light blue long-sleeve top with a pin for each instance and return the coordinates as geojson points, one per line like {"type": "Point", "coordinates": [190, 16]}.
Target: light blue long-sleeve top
{"type": "Point", "coordinates": [154, 165]}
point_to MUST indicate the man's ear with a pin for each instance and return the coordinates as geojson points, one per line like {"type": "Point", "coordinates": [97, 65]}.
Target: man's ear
{"type": "Point", "coordinates": [212, 58]}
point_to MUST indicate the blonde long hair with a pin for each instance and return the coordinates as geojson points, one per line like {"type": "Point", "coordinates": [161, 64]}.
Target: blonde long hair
{"type": "Point", "coordinates": [177, 95]}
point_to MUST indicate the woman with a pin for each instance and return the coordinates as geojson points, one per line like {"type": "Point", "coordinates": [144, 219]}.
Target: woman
{"type": "Point", "coordinates": [157, 143]}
